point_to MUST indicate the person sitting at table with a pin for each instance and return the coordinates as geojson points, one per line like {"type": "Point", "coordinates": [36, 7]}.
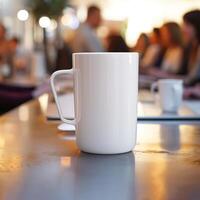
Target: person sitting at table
{"type": "Point", "coordinates": [4, 68]}
{"type": "Point", "coordinates": [63, 57]}
{"type": "Point", "coordinates": [21, 60]}
{"type": "Point", "coordinates": [171, 39]}
{"type": "Point", "coordinates": [11, 53]}
{"type": "Point", "coordinates": [141, 45]}
{"type": "Point", "coordinates": [116, 43]}
{"type": "Point", "coordinates": [191, 31]}
{"type": "Point", "coordinates": [152, 53]}
{"type": "Point", "coordinates": [3, 40]}
{"type": "Point", "coordinates": [86, 39]}
{"type": "Point", "coordinates": [192, 92]}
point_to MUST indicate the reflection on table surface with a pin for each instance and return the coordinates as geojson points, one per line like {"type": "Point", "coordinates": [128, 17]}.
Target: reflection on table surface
{"type": "Point", "coordinates": [36, 163]}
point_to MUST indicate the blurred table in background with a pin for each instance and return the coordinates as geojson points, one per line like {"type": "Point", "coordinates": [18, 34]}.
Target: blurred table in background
{"type": "Point", "coordinates": [28, 82]}
{"type": "Point", "coordinates": [37, 162]}
{"type": "Point", "coordinates": [17, 90]}
{"type": "Point", "coordinates": [148, 108]}
{"type": "Point", "coordinates": [23, 81]}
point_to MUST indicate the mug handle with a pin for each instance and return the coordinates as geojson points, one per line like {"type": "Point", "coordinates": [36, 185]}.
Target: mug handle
{"type": "Point", "coordinates": [52, 81]}
{"type": "Point", "coordinates": [153, 88]}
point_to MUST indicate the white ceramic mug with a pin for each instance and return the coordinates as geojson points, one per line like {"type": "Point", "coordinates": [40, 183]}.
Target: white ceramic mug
{"type": "Point", "coordinates": [106, 91]}
{"type": "Point", "coordinates": [170, 93]}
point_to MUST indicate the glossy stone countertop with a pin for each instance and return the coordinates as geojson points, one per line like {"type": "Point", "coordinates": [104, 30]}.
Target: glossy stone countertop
{"type": "Point", "coordinates": [38, 163]}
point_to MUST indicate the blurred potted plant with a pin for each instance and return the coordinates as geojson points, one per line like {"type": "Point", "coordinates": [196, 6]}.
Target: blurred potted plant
{"type": "Point", "coordinates": [52, 9]}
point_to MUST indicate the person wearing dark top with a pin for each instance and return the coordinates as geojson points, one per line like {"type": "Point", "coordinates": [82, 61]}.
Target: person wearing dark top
{"type": "Point", "coordinates": [3, 52]}
{"type": "Point", "coordinates": [116, 43]}
{"type": "Point", "coordinates": [63, 57]}
{"type": "Point", "coordinates": [191, 62]}
{"type": "Point", "coordinates": [3, 41]}
{"type": "Point", "coordinates": [191, 31]}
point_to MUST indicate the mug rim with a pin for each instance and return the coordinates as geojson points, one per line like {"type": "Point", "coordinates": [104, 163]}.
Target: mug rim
{"type": "Point", "coordinates": [105, 53]}
{"type": "Point", "coordinates": [170, 81]}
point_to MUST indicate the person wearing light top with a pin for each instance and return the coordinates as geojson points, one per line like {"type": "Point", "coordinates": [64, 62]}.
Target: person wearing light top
{"type": "Point", "coordinates": [172, 60]}
{"type": "Point", "coordinates": [152, 53]}
{"type": "Point", "coordinates": [171, 39]}
{"type": "Point", "coordinates": [86, 39]}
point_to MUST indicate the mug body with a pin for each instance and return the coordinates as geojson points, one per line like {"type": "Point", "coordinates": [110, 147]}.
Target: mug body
{"type": "Point", "coordinates": [171, 92]}
{"type": "Point", "coordinates": [106, 91]}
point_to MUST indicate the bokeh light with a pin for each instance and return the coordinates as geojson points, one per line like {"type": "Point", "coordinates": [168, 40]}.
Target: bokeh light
{"type": "Point", "coordinates": [22, 15]}
{"type": "Point", "coordinates": [70, 19]}
{"type": "Point", "coordinates": [44, 22]}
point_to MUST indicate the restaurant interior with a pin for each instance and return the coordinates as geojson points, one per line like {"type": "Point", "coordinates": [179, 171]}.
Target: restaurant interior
{"type": "Point", "coordinates": [122, 121]}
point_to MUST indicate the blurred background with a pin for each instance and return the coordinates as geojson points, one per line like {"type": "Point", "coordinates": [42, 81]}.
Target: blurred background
{"type": "Point", "coordinates": [129, 16]}
{"type": "Point", "coordinates": [38, 37]}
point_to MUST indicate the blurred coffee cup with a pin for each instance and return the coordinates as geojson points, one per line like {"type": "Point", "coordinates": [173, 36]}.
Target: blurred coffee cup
{"type": "Point", "coordinates": [170, 94]}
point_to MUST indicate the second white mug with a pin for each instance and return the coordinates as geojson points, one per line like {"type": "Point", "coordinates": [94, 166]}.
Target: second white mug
{"type": "Point", "coordinates": [170, 93]}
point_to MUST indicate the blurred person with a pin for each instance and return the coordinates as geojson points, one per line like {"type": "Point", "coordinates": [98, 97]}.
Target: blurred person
{"type": "Point", "coordinates": [4, 68]}
{"type": "Point", "coordinates": [116, 43]}
{"type": "Point", "coordinates": [171, 40]}
{"type": "Point", "coordinates": [191, 31]}
{"type": "Point", "coordinates": [141, 44]}
{"type": "Point", "coordinates": [2, 32]}
{"type": "Point", "coordinates": [3, 40]}
{"type": "Point", "coordinates": [64, 57]}
{"type": "Point", "coordinates": [64, 51]}
{"type": "Point", "coordinates": [86, 39]}
{"type": "Point", "coordinates": [152, 53]}
{"type": "Point", "coordinates": [12, 95]}
{"type": "Point", "coordinates": [20, 60]}
{"type": "Point", "coordinates": [192, 92]}
{"type": "Point", "coordinates": [9, 57]}
{"type": "Point", "coordinates": [12, 45]}
{"type": "Point", "coordinates": [13, 50]}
